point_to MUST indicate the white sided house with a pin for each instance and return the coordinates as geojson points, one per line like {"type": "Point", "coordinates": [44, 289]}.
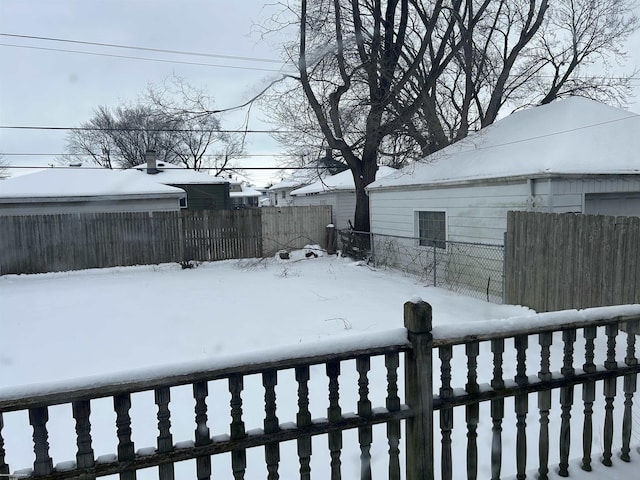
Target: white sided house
{"type": "Point", "coordinates": [573, 155]}
{"type": "Point", "coordinates": [338, 191]}
{"type": "Point", "coordinates": [81, 190]}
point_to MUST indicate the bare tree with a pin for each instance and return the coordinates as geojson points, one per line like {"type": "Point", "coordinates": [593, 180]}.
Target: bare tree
{"type": "Point", "coordinates": [390, 80]}
{"type": "Point", "coordinates": [174, 119]}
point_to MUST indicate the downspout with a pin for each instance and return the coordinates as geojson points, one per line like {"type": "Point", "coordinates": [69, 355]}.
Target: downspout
{"type": "Point", "coordinates": [550, 197]}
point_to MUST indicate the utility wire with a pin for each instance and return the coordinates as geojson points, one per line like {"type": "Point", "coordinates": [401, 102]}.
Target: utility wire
{"type": "Point", "coordinates": [145, 49]}
{"type": "Point", "coordinates": [41, 167]}
{"type": "Point", "coordinates": [237, 67]}
{"type": "Point", "coordinates": [96, 129]}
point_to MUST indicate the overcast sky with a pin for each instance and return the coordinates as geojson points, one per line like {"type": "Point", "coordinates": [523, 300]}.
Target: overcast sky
{"type": "Point", "coordinates": [44, 87]}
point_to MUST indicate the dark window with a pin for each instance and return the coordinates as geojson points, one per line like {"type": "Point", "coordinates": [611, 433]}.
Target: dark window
{"type": "Point", "coordinates": [183, 202]}
{"type": "Point", "coordinates": [432, 229]}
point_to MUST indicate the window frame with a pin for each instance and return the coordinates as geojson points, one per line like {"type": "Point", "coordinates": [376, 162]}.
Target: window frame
{"type": "Point", "coordinates": [425, 242]}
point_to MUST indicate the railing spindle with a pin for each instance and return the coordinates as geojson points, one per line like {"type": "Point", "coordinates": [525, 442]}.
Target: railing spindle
{"type": "Point", "coordinates": [81, 412]}
{"type": "Point", "coordinates": [472, 416]}
{"type": "Point", "coordinates": [566, 402]}
{"type": "Point", "coordinates": [303, 420]}
{"type": "Point", "coordinates": [202, 437]}
{"type": "Point", "coordinates": [588, 397]}
{"type": "Point", "coordinates": [271, 423]}
{"type": "Point", "coordinates": [630, 387]}
{"type": "Point", "coordinates": [609, 393]}
{"type": "Point", "coordinates": [497, 408]}
{"type": "Point", "coordinates": [392, 362]}
{"type": "Point", "coordinates": [38, 418]}
{"type": "Point", "coordinates": [446, 414]}
{"type": "Point", "coordinates": [544, 404]}
{"type": "Point", "coordinates": [4, 468]}
{"type": "Point", "coordinates": [126, 450]}
{"type": "Point", "coordinates": [238, 457]}
{"type": "Point", "coordinates": [165, 439]}
{"type": "Point", "coordinates": [334, 414]}
{"type": "Point", "coordinates": [365, 434]}
{"type": "Point", "coordinates": [521, 406]}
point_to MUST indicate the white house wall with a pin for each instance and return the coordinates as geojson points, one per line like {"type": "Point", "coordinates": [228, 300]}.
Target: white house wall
{"type": "Point", "coordinates": [343, 205]}
{"type": "Point", "coordinates": [103, 206]}
{"type": "Point", "coordinates": [475, 213]}
{"type": "Point", "coordinates": [569, 193]}
{"type": "Point", "coordinates": [478, 213]}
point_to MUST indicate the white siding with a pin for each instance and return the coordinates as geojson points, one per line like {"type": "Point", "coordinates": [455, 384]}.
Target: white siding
{"type": "Point", "coordinates": [569, 193]}
{"type": "Point", "coordinates": [101, 206]}
{"type": "Point", "coordinates": [478, 213]}
{"type": "Point", "coordinates": [474, 213]}
{"type": "Point", "coordinates": [343, 205]}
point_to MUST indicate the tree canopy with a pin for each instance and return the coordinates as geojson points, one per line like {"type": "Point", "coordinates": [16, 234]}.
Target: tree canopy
{"type": "Point", "coordinates": [386, 81]}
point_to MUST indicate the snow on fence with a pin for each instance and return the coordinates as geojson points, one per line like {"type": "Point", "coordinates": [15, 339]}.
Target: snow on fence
{"type": "Point", "coordinates": [51, 243]}
{"type": "Point", "coordinates": [474, 269]}
{"type": "Point", "coordinates": [561, 261]}
{"type": "Point", "coordinates": [481, 365]}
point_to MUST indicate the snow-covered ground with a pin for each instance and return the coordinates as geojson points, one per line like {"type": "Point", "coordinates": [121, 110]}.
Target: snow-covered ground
{"type": "Point", "coordinates": [62, 326]}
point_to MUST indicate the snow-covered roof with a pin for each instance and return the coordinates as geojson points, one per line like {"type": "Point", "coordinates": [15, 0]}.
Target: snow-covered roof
{"type": "Point", "coordinates": [246, 192]}
{"type": "Point", "coordinates": [82, 182]}
{"type": "Point", "coordinates": [571, 136]}
{"type": "Point", "coordinates": [298, 178]}
{"type": "Point", "coordinates": [170, 174]}
{"type": "Point", "coordinates": [341, 181]}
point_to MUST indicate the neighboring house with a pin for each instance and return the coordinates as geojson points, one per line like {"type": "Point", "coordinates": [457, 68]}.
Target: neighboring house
{"type": "Point", "coordinates": [280, 192]}
{"type": "Point", "coordinates": [243, 196]}
{"type": "Point", "coordinates": [337, 191]}
{"type": "Point", "coordinates": [78, 190]}
{"type": "Point", "coordinates": [573, 155]}
{"type": "Point", "coordinates": [204, 191]}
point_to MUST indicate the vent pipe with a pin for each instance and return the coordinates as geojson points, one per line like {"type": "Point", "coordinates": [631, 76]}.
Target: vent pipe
{"type": "Point", "coordinates": [150, 157]}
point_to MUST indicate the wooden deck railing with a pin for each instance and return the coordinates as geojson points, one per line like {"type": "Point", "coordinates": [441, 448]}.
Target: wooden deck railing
{"type": "Point", "coordinates": [422, 350]}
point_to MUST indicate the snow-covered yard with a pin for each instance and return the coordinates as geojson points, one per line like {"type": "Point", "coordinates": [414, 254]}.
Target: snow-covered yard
{"type": "Point", "coordinates": [58, 327]}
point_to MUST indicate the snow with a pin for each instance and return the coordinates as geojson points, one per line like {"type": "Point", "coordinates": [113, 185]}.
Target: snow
{"type": "Point", "coordinates": [247, 192]}
{"type": "Point", "coordinates": [79, 182]}
{"type": "Point", "coordinates": [340, 181]}
{"type": "Point", "coordinates": [571, 136]}
{"type": "Point", "coordinates": [170, 174]}
{"type": "Point", "coordinates": [127, 323]}
{"type": "Point", "coordinates": [532, 321]}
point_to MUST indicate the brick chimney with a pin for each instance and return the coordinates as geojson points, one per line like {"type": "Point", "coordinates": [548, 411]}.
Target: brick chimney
{"type": "Point", "coordinates": [150, 157]}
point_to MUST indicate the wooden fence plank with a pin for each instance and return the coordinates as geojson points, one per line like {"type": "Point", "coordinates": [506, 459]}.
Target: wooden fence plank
{"type": "Point", "coordinates": [565, 261]}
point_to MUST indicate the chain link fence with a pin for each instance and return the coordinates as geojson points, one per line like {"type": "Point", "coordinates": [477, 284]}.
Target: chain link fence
{"type": "Point", "coordinates": [473, 269]}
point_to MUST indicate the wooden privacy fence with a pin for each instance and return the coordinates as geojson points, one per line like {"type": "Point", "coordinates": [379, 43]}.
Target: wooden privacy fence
{"type": "Point", "coordinates": [563, 261]}
{"type": "Point", "coordinates": [606, 356]}
{"type": "Point", "coordinates": [50, 243]}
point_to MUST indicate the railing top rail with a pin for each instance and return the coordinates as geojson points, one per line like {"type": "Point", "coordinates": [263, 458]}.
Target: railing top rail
{"type": "Point", "coordinates": [46, 394]}
{"type": "Point", "coordinates": [533, 324]}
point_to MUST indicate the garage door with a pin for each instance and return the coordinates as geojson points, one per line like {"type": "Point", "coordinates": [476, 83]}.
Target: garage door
{"type": "Point", "coordinates": [618, 204]}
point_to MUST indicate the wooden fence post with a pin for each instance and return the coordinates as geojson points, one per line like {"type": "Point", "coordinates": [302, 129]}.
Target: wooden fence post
{"type": "Point", "coordinates": [419, 391]}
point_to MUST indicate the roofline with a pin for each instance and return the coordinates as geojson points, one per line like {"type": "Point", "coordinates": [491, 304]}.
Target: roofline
{"type": "Point", "coordinates": [500, 180]}
{"type": "Point", "coordinates": [91, 198]}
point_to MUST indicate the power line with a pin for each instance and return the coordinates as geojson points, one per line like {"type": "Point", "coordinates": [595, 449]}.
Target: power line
{"type": "Point", "coordinates": [146, 49]}
{"type": "Point", "coordinates": [96, 129]}
{"type": "Point", "coordinates": [237, 67]}
{"type": "Point", "coordinates": [42, 167]}
{"type": "Point", "coordinates": [42, 154]}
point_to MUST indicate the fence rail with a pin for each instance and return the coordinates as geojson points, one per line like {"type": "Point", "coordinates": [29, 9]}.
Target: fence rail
{"type": "Point", "coordinates": [50, 243]}
{"type": "Point", "coordinates": [474, 269]}
{"type": "Point", "coordinates": [585, 348]}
